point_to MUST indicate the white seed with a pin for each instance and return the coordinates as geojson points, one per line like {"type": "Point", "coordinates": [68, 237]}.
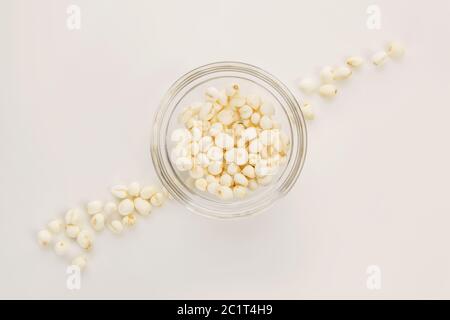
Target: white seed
{"type": "Point", "coordinates": [148, 191]}
{"type": "Point", "coordinates": [185, 116]}
{"type": "Point", "coordinates": [225, 116]}
{"type": "Point", "coordinates": [215, 154]}
{"type": "Point", "coordinates": [267, 109]}
{"type": "Point", "coordinates": [307, 111]}
{"type": "Point", "coordinates": [125, 207]}
{"type": "Point", "coordinates": [395, 50]}
{"type": "Point", "coordinates": [355, 61]}
{"type": "Point", "coordinates": [276, 124]}
{"type": "Point", "coordinates": [224, 141]}
{"type": "Point", "coordinates": [253, 158]}
{"type": "Point", "coordinates": [205, 143]}
{"type": "Point", "coordinates": [246, 123]}
{"type": "Point", "coordinates": [223, 98]}
{"type": "Point", "coordinates": [225, 193]}
{"type": "Point", "coordinates": [197, 172]}
{"type": "Point", "coordinates": [129, 220]}
{"type": "Point", "coordinates": [195, 107]}
{"type": "Point", "coordinates": [61, 247]}
{"type": "Point", "coordinates": [212, 93]}
{"type": "Point", "coordinates": [238, 129]}
{"type": "Point", "coordinates": [274, 161]}
{"type": "Point", "coordinates": [205, 111]}
{"type": "Point", "coordinates": [248, 171]}
{"type": "Point", "coordinates": [253, 185]}
{"type": "Point", "coordinates": [157, 199]}
{"type": "Point", "coordinates": [262, 169]}
{"type": "Point", "coordinates": [72, 230]}
{"type": "Point", "coordinates": [230, 156]}
{"type": "Point", "coordinates": [116, 226]}
{"type": "Point", "coordinates": [232, 169]}
{"type": "Point", "coordinates": [264, 181]}
{"type": "Point", "coordinates": [264, 152]}
{"type": "Point", "coordinates": [80, 261]}
{"type": "Point", "coordinates": [249, 134]}
{"type": "Point", "coordinates": [237, 102]}
{"type": "Point", "coordinates": [73, 216]}
{"type": "Point", "coordinates": [178, 152]}
{"type": "Point", "coordinates": [201, 184]}
{"type": "Point", "coordinates": [239, 192]}
{"type": "Point", "coordinates": [266, 123]}
{"type": "Point", "coordinates": [241, 143]}
{"type": "Point", "coordinates": [253, 101]}
{"type": "Point", "coordinates": [240, 179]}
{"type": "Point", "coordinates": [245, 112]}
{"type": "Point", "coordinates": [110, 208]}
{"type": "Point", "coordinates": [181, 135]}
{"type": "Point", "coordinates": [84, 239]}
{"type": "Point", "coordinates": [119, 191]}
{"type": "Point", "coordinates": [194, 148]}
{"type": "Point", "coordinates": [241, 156]}
{"type": "Point", "coordinates": [255, 146]}
{"type": "Point", "coordinates": [196, 134]}
{"type": "Point", "coordinates": [210, 178]}
{"type": "Point", "coordinates": [226, 180]}
{"type": "Point", "coordinates": [308, 85]}
{"type": "Point", "coordinates": [213, 187]}
{"type": "Point", "coordinates": [215, 167]}
{"type": "Point", "coordinates": [190, 123]}
{"type": "Point", "coordinates": [44, 237]}
{"type": "Point", "coordinates": [256, 117]}
{"type": "Point", "coordinates": [134, 189]}
{"type": "Point", "coordinates": [56, 226]}
{"type": "Point", "coordinates": [342, 73]}
{"type": "Point", "coordinates": [184, 163]}
{"type": "Point", "coordinates": [379, 58]}
{"type": "Point", "coordinates": [327, 75]}
{"type": "Point", "coordinates": [94, 207]}
{"type": "Point", "coordinates": [269, 137]}
{"type": "Point", "coordinates": [328, 90]}
{"type": "Point", "coordinates": [98, 222]}
{"type": "Point", "coordinates": [215, 129]}
{"type": "Point", "coordinates": [202, 160]}
{"type": "Point", "coordinates": [143, 207]}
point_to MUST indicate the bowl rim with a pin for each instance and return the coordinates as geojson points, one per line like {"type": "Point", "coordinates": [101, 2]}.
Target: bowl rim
{"type": "Point", "coordinates": [182, 82]}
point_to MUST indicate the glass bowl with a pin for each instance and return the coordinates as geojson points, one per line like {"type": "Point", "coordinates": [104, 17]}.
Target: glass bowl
{"type": "Point", "coordinates": [190, 88]}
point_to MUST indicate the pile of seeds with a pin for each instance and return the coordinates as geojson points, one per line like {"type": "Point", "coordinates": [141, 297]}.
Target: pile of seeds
{"type": "Point", "coordinates": [78, 226]}
{"type": "Point", "coordinates": [327, 85]}
{"type": "Point", "coordinates": [229, 144]}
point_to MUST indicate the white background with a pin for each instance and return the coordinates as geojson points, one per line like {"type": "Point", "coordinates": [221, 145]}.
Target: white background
{"type": "Point", "coordinates": [76, 110]}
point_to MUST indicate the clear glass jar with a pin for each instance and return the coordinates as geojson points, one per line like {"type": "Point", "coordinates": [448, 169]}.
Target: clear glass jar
{"type": "Point", "coordinates": [191, 87]}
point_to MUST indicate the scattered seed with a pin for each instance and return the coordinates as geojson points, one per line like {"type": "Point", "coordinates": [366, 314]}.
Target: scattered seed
{"type": "Point", "coordinates": [61, 247]}
{"type": "Point", "coordinates": [328, 90]}
{"type": "Point", "coordinates": [44, 237]}
{"type": "Point", "coordinates": [379, 58]}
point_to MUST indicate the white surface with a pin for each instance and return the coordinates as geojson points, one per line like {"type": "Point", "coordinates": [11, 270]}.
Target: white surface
{"type": "Point", "coordinates": [76, 110]}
